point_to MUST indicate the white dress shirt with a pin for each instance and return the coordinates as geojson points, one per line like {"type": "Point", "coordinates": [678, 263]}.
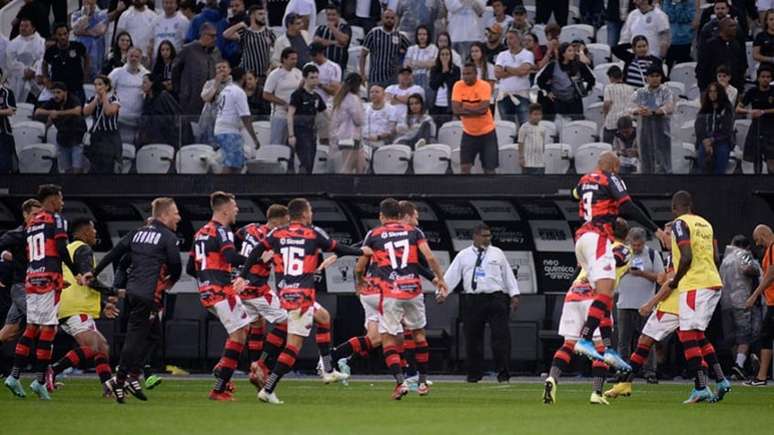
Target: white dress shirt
{"type": "Point", "coordinates": [493, 275]}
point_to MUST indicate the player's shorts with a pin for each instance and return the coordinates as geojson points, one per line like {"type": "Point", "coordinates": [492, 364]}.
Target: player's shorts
{"type": "Point", "coordinates": [737, 323]}
{"type": "Point", "coordinates": [266, 306]}
{"type": "Point", "coordinates": [78, 324]}
{"type": "Point", "coordinates": [232, 314]}
{"type": "Point", "coordinates": [393, 311]}
{"type": "Point", "coordinates": [300, 320]}
{"type": "Point", "coordinates": [573, 318]}
{"type": "Point", "coordinates": [18, 305]}
{"type": "Point", "coordinates": [660, 325]}
{"type": "Point", "coordinates": [595, 254]}
{"type": "Point", "coordinates": [370, 305]}
{"type": "Point", "coordinates": [696, 308]}
{"type": "Point", "coordinates": [43, 308]}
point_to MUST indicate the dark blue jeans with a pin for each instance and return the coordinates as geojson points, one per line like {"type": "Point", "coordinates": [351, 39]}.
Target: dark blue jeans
{"type": "Point", "coordinates": [715, 164]}
{"type": "Point", "coordinates": [511, 112]}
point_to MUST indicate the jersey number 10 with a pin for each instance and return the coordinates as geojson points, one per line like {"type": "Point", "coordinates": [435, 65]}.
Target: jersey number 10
{"type": "Point", "coordinates": [36, 244]}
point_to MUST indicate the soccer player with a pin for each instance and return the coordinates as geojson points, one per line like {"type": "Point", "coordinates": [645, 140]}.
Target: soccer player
{"type": "Point", "coordinates": [80, 304]}
{"type": "Point", "coordinates": [576, 304]}
{"type": "Point", "coordinates": [296, 248]}
{"type": "Point", "coordinates": [46, 251]}
{"type": "Point", "coordinates": [602, 197]}
{"type": "Point", "coordinates": [155, 267]}
{"type": "Point", "coordinates": [396, 247]}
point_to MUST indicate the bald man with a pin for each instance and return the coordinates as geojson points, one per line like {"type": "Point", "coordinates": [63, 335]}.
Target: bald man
{"type": "Point", "coordinates": [764, 237]}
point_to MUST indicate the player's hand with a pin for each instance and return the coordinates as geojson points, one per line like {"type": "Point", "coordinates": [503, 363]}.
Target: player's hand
{"type": "Point", "coordinates": [112, 300]}
{"type": "Point", "coordinates": [239, 284]}
{"type": "Point", "coordinates": [121, 293]}
{"type": "Point", "coordinates": [646, 309]}
{"type": "Point", "coordinates": [7, 256]}
{"type": "Point", "coordinates": [663, 237]}
{"type": "Point", "coordinates": [292, 141]}
{"type": "Point", "coordinates": [110, 311]}
{"type": "Point", "coordinates": [442, 291]}
{"type": "Point", "coordinates": [327, 262]}
{"type": "Point", "coordinates": [266, 256]}
{"type": "Point", "coordinates": [85, 278]}
{"type": "Point", "coordinates": [368, 252]}
{"type": "Point", "coordinates": [514, 303]}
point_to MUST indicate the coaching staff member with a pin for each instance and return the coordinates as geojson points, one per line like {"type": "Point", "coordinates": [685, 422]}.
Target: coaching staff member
{"type": "Point", "coordinates": [470, 101]}
{"type": "Point", "coordinates": [155, 258]}
{"type": "Point", "coordinates": [490, 292]}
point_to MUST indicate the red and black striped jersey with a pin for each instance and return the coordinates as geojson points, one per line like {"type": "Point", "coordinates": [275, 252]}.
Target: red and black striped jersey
{"type": "Point", "coordinates": [258, 276]}
{"type": "Point", "coordinates": [44, 270]}
{"type": "Point", "coordinates": [600, 195]}
{"type": "Point", "coordinates": [213, 270]}
{"type": "Point", "coordinates": [396, 259]}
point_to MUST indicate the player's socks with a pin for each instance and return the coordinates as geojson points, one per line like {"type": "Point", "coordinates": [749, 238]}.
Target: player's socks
{"type": "Point", "coordinates": [693, 357]}
{"type": "Point", "coordinates": [422, 355]}
{"type": "Point", "coordinates": [392, 359]}
{"type": "Point", "coordinates": [285, 362]}
{"type": "Point", "coordinates": [102, 366]}
{"type": "Point", "coordinates": [408, 356]}
{"type": "Point", "coordinates": [43, 350]}
{"type": "Point", "coordinates": [73, 358]}
{"type": "Point", "coordinates": [323, 340]}
{"type": "Point", "coordinates": [23, 349]}
{"type": "Point", "coordinates": [606, 331]}
{"type": "Point", "coordinates": [599, 309]}
{"type": "Point", "coordinates": [562, 359]}
{"type": "Point", "coordinates": [598, 372]}
{"type": "Point", "coordinates": [274, 343]}
{"type": "Point", "coordinates": [637, 360]}
{"type": "Point", "coordinates": [255, 338]}
{"type": "Point", "coordinates": [360, 346]}
{"type": "Point", "coordinates": [227, 364]}
{"type": "Point", "coordinates": [708, 353]}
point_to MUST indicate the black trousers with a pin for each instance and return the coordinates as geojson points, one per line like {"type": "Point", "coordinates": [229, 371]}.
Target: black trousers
{"type": "Point", "coordinates": [143, 332]}
{"type": "Point", "coordinates": [560, 8]}
{"type": "Point", "coordinates": [477, 311]}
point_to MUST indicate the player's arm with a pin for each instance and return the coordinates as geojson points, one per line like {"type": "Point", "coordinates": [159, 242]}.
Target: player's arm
{"type": "Point", "coordinates": [253, 258]}
{"type": "Point", "coordinates": [683, 237]}
{"type": "Point", "coordinates": [360, 268]}
{"type": "Point", "coordinates": [765, 282]}
{"type": "Point", "coordinates": [118, 252]}
{"type": "Point", "coordinates": [435, 266]}
{"type": "Point", "coordinates": [64, 254]}
{"type": "Point", "coordinates": [83, 257]}
{"type": "Point", "coordinates": [453, 274]}
{"type": "Point", "coordinates": [121, 276]}
{"type": "Point", "coordinates": [174, 266]}
{"type": "Point", "coordinates": [629, 210]}
{"type": "Point", "coordinates": [228, 250]}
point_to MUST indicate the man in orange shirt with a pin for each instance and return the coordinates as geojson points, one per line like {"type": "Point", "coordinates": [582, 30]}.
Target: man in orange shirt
{"type": "Point", "coordinates": [470, 101]}
{"type": "Point", "coordinates": [764, 237]}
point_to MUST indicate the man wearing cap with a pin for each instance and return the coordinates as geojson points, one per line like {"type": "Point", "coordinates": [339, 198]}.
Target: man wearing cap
{"type": "Point", "coordinates": [398, 95]}
{"type": "Point", "coordinates": [494, 44]}
{"type": "Point", "coordinates": [520, 21]}
{"type": "Point", "coordinates": [63, 111]}
{"type": "Point", "coordinates": [653, 105]}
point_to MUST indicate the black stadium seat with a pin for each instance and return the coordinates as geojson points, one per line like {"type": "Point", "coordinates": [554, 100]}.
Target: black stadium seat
{"type": "Point", "coordinates": [183, 332]}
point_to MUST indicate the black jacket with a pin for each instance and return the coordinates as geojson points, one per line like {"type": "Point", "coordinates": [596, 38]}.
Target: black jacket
{"type": "Point", "coordinates": [718, 52]}
{"type": "Point", "coordinates": [15, 242]}
{"type": "Point", "coordinates": [576, 71]}
{"type": "Point", "coordinates": [717, 124]}
{"type": "Point", "coordinates": [438, 78]}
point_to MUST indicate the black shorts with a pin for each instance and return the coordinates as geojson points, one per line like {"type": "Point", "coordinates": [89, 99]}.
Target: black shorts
{"type": "Point", "coordinates": [485, 145]}
{"type": "Point", "coordinates": [767, 329]}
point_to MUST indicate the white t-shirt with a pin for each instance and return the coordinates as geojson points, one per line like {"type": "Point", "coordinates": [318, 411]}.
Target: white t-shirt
{"type": "Point", "coordinates": [396, 91]}
{"type": "Point", "coordinates": [463, 20]}
{"type": "Point", "coordinates": [128, 88]}
{"type": "Point", "coordinates": [416, 54]}
{"type": "Point", "coordinates": [649, 25]}
{"type": "Point", "coordinates": [442, 96]}
{"type": "Point", "coordinates": [282, 83]}
{"type": "Point", "coordinates": [489, 73]}
{"type": "Point", "coordinates": [330, 72]}
{"type": "Point", "coordinates": [514, 84]}
{"type": "Point", "coordinates": [377, 122]}
{"type": "Point", "coordinates": [170, 29]}
{"type": "Point", "coordinates": [764, 5]}
{"type": "Point", "coordinates": [231, 105]}
{"type": "Point", "coordinates": [363, 8]}
{"type": "Point", "coordinates": [137, 23]}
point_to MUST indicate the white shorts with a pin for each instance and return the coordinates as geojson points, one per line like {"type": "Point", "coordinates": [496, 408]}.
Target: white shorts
{"type": "Point", "coordinates": [300, 322]}
{"type": "Point", "coordinates": [231, 313]}
{"type": "Point", "coordinates": [267, 306]}
{"type": "Point", "coordinates": [573, 318]}
{"type": "Point", "coordinates": [78, 324]}
{"type": "Point", "coordinates": [43, 308]}
{"type": "Point", "coordinates": [660, 325]}
{"type": "Point", "coordinates": [696, 308]}
{"type": "Point", "coordinates": [595, 255]}
{"type": "Point", "coordinates": [409, 312]}
{"type": "Point", "coordinates": [370, 305]}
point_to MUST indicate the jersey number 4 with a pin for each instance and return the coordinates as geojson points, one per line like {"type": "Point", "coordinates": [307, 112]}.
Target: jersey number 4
{"type": "Point", "coordinates": [36, 244]}
{"type": "Point", "coordinates": [293, 260]}
{"type": "Point", "coordinates": [404, 246]}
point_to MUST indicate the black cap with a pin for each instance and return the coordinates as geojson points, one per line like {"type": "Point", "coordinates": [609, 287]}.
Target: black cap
{"type": "Point", "coordinates": [405, 69]}
{"type": "Point", "coordinates": [519, 9]}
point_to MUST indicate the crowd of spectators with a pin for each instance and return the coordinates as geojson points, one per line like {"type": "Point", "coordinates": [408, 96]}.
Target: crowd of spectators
{"type": "Point", "coordinates": [385, 71]}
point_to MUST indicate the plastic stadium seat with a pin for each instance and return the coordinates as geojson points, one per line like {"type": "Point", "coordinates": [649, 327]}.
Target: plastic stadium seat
{"type": "Point", "coordinates": [506, 131]}
{"type": "Point", "coordinates": [577, 133]}
{"type": "Point", "coordinates": [600, 72]}
{"type": "Point", "coordinates": [194, 159]}
{"type": "Point", "coordinates": [557, 157]}
{"type": "Point", "coordinates": [572, 32]}
{"type": "Point", "coordinates": [358, 34]}
{"type": "Point", "coordinates": [450, 134]}
{"type": "Point", "coordinates": [509, 159]}
{"type": "Point", "coordinates": [432, 159]}
{"type": "Point", "coordinates": [391, 159]}
{"type": "Point", "coordinates": [684, 111]}
{"type": "Point", "coordinates": [600, 53]}
{"type": "Point", "coordinates": [683, 155]}
{"type": "Point", "coordinates": [587, 156]}
{"type": "Point", "coordinates": [457, 167]}
{"type": "Point", "coordinates": [28, 133]}
{"type": "Point", "coordinates": [127, 158]}
{"type": "Point", "coordinates": [552, 134]}
{"type": "Point", "coordinates": [321, 160]}
{"type": "Point", "coordinates": [271, 159]}
{"type": "Point", "coordinates": [595, 96]}
{"type": "Point", "coordinates": [487, 15]}
{"type": "Point", "coordinates": [155, 159]}
{"type": "Point", "coordinates": [37, 158]}
{"type": "Point", "coordinates": [88, 91]}
{"type": "Point", "coordinates": [602, 36]}
{"type": "Point", "coordinates": [23, 112]}
{"type": "Point", "coordinates": [693, 93]}
{"type": "Point", "coordinates": [593, 112]}
{"type": "Point", "coordinates": [677, 88]}
{"type": "Point", "coordinates": [686, 133]}
{"type": "Point", "coordinates": [684, 73]}
{"type": "Point", "coordinates": [741, 128]}
{"type": "Point", "coordinates": [263, 132]}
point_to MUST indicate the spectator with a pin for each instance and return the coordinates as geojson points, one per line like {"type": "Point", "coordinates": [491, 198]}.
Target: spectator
{"type": "Point", "coordinates": [470, 101]}
{"type": "Point", "coordinates": [23, 57]}
{"type": "Point", "coordinates": [494, 43]}
{"type": "Point", "coordinates": [37, 14]}
{"type": "Point", "coordinates": [256, 41]}
{"type": "Point", "coordinates": [137, 20]}
{"type": "Point", "coordinates": [723, 50]}
{"type": "Point", "coordinates": [64, 112]}
{"type": "Point", "coordinates": [560, 9]}
{"type": "Point", "coordinates": [170, 25]}
{"type": "Point", "coordinates": [89, 24]}
{"type": "Point", "coordinates": [162, 68]}
{"type": "Point", "coordinates": [161, 116]}
{"type": "Point", "coordinates": [304, 105]}
{"type": "Point", "coordinates": [421, 56]}
{"type": "Point", "coordinates": [381, 120]}
{"type": "Point", "coordinates": [636, 63]}
{"type": "Point", "coordinates": [118, 52]}
{"type": "Point", "coordinates": [763, 46]}
{"type": "Point", "coordinates": [209, 14]}
{"type": "Point", "coordinates": [764, 238]}
{"type": "Point", "coordinates": [329, 82]}
{"type": "Point", "coordinates": [7, 110]}
{"type": "Point", "coordinates": [412, 14]}
{"type": "Point", "coordinates": [500, 17]}
{"type": "Point", "coordinates": [279, 86]}
{"type": "Point", "coordinates": [464, 27]}
{"type": "Point", "coordinates": [335, 35]}
{"type": "Point", "coordinates": [591, 12]}
{"type": "Point", "coordinates": [127, 84]}
{"type": "Point", "coordinates": [512, 68]}
{"type": "Point", "coordinates": [233, 116]}
{"type": "Point", "coordinates": [738, 272]}
{"type": "Point", "coordinates": [484, 68]}
{"type": "Point", "coordinates": [651, 22]}
{"type": "Point", "coordinates": [254, 91]}
{"type": "Point", "coordinates": [66, 61]}
{"type": "Point", "coordinates": [615, 15]}
{"type": "Point", "coordinates": [275, 10]}
{"type": "Point", "coordinates": [398, 94]}
{"type": "Point", "coordinates": [582, 54]}
{"type": "Point", "coordinates": [105, 147]}
{"type": "Point", "coordinates": [532, 143]}
{"type": "Point", "coordinates": [616, 97]}
{"type": "Point", "coordinates": [520, 22]}
{"type": "Point", "coordinates": [347, 121]}
{"type": "Point", "coordinates": [187, 9]}
{"type": "Point", "coordinates": [711, 18]}
{"type": "Point", "coordinates": [306, 10]}
{"type": "Point", "coordinates": [654, 104]}
{"type": "Point", "coordinates": [209, 95]}
{"type": "Point", "coordinates": [363, 13]}
{"type": "Point", "coordinates": [681, 14]}
{"type": "Point", "coordinates": [193, 67]}
{"type": "Point", "coordinates": [230, 49]}
{"type": "Point", "coordinates": [295, 38]}
{"type": "Point", "coordinates": [385, 45]}
{"type": "Point", "coordinates": [564, 84]}
{"type": "Point", "coordinates": [443, 76]}
{"type": "Point", "coordinates": [635, 289]}
{"type": "Point", "coordinates": [723, 76]}
{"type": "Point", "coordinates": [443, 40]}
{"type": "Point", "coordinates": [417, 127]}
{"type": "Point", "coordinates": [625, 145]}
{"type": "Point", "coordinates": [714, 131]}
{"type": "Point", "coordinates": [758, 104]}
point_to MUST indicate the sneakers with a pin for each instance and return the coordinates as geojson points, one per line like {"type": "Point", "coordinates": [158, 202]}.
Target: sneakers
{"type": "Point", "coordinates": [223, 396]}
{"type": "Point", "coordinates": [697, 396]}
{"type": "Point", "coordinates": [400, 391]}
{"type": "Point", "coordinates": [334, 376]}
{"type": "Point", "coordinates": [423, 389]}
{"type": "Point", "coordinates": [620, 389]}
{"type": "Point", "coordinates": [152, 381]}
{"type": "Point", "coordinates": [15, 387]}
{"type": "Point", "coordinates": [755, 382]}
{"type": "Point", "coordinates": [724, 387]}
{"type": "Point", "coordinates": [258, 375]}
{"type": "Point", "coordinates": [270, 398]}
{"type": "Point", "coordinates": [738, 372]}
{"type": "Point", "coordinates": [549, 391]}
{"type": "Point", "coordinates": [50, 379]}
{"type": "Point", "coordinates": [117, 391]}
{"type": "Point", "coordinates": [586, 348]}
{"type": "Point", "coordinates": [612, 359]}
{"type": "Point", "coordinates": [420, 143]}
{"type": "Point", "coordinates": [134, 387]}
{"type": "Point", "coordinates": [40, 390]}
{"type": "Point", "coordinates": [598, 399]}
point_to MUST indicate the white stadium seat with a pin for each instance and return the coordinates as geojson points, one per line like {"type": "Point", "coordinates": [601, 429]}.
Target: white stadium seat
{"type": "Point", "coordinates": [595, 96]}
{"type": "Point", "coordinates": [552, 135]}
{"type": "Point", "coordinates": [587, 156]}
{"type": "Point", "coordinates": [684, 111]}
{"type": "Point", "coordinates": [677, 88]}
{"type": "Point", "coordinates": [450, 134]}
{"type": "Point", "coordinates": [506, 131]}
{"type": "Point", "coordinates": [686, 132]}
{"type": "Point", "coordinates": [432, 159]}
{"type": "Point", "coordinates": [572, 32]}
{"type": "Point", "coordinates": [194, 159]}
{"type": "Point", "coordinates": [321, 160]}
{"type": "Point", "coordinates": [741, 128]}
{"type": "Point", "coordinates": [557, 158]}
{"type": "Point", "coordinates": [600, 72]}
{"type": "Point", "coordinates": [154, 159]}
{"type": "Point", "coordinates": [509, 159]}
{"type": "Point", "coordinates": [358, 34]}
{"type": "Point", "coordinates": [540, 31]}
{"type": "Point", "coordinates": [602, 36]}
{"type": "Point", "coordinates": [577, 133]}
{"type": "Point", "coordinates": [23, 112]}
{"type": "Point", "coordinates": [684, 73]}
{"type": "Point", "coordinates": [391, 159]}
{"type": "Point", "coordinates": [37, 158]}
{"type": "Point", "coordinates": [593, 113]}
{"type": "Point", "coordinates": [127, 158]}
{"type": "Point", "coordinates": [457, 167]}
{"type": "Point", "coordinates": [273, 159]}
{"type": "Point", "coordinates": [600, 53]}
{"type": "Point", "coordinates": [683, 154]}
{"type": "Point", "coordinates": [263, 132]}
{"type": "Point", "coordinates": [28, 133]}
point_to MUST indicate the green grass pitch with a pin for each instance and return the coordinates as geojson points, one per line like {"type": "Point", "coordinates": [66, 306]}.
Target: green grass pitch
{"type": "Point", "coordinates": [364, 408]}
